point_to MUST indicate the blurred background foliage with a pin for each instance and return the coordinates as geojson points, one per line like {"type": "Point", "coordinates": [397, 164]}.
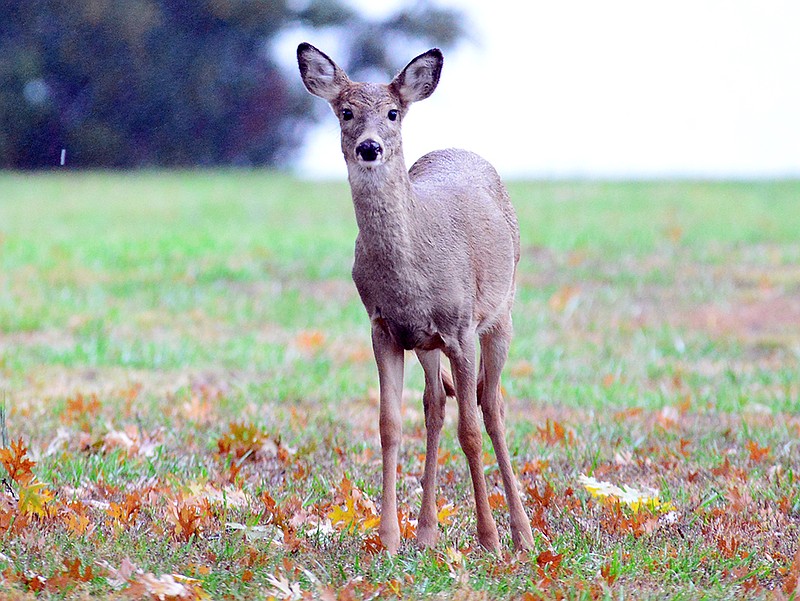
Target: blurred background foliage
{"type": "Point", "coordinates": [178, 83]}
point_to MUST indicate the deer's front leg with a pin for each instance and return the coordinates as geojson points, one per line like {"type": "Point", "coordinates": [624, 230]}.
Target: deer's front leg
{"type": "Point", "coordinates": [389, 358]}
{"type": "Point", "coordinates": [434, 402]}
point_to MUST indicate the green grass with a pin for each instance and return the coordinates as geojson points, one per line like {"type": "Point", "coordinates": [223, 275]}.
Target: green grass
{"type": "Point", "coordinates": [656, 323]}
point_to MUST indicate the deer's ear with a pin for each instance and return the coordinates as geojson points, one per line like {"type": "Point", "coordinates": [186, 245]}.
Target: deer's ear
{"type": "Point", "coordinates": [420, 77]}
{"type": "Point", "coordinates": [321, 76]}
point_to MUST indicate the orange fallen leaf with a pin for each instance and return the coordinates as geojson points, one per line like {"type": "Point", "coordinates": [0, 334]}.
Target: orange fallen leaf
{"type": "Point", "coordinates": [554, 432]}
{"type": "Point", "coordinates": [73, 570]}
{"type": "Point", "coordinates": [757, 453]}
{"type": "Point", "coordinates": [16, 463]}
{"type": "Point", "coordinates": [548, 557]}
{"type": "Point", "coordinates": [408, 526]}
{"type": "Point", "coordinates": [497, 500]}
{"type": "Point", "coordinates": [608, 575]}
{"type": "Point", "coordinates": [185, 519]}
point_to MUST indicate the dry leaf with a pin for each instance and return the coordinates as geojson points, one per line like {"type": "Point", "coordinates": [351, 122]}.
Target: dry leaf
{"type": "Point", "coordinates": [283, 589]}
{"type": "Point", "coordinates": [632, 497]}
{"type": "Point", "coordinates": [16, 463]}
{"type": "Point", "coordinates": [33, 498]}
{"type": "Point", "coordinates": [446, 513]}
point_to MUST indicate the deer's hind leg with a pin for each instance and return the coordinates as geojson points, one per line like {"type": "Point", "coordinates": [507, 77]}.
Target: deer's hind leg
{"type": "Point", "coordinates": [462, 359]}
{"type": "Point", "coordinates": [433, 400]}
{"type": "Point", "coordinates": [494, 351]}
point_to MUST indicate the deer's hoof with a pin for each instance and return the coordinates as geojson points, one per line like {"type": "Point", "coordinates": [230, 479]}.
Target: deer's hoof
{"type": "Point", "coordinates": [521, 543]}
{"type": "Point", "coordinates": [427, 536]}
{"type": "Point", "coordinates": [390, 539]}
{"type": "Point", "coordinates": [522, 537]}
{"type": "Point", "coordinates": [489, 540]}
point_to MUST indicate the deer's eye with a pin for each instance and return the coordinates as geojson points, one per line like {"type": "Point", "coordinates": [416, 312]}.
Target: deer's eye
{"type": "Point", "coordinates": [347, 114]}
{"type": "Point", "coordinates": [392, 115]}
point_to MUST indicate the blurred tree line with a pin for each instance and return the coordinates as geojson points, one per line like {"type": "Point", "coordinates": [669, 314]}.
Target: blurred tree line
{"type": "Point", "coordinates": [137, 83]}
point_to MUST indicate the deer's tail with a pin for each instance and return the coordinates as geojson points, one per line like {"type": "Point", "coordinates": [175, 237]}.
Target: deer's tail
{"type": "Point", "coordinates": [447, 380]}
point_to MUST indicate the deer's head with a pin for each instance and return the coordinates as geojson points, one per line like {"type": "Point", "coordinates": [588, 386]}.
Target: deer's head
{"type": "Point", "coordinates": [369, 114]}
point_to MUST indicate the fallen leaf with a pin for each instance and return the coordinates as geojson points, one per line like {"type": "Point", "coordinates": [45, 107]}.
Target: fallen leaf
{"type": "Point", "coordinates": [757, 453]}
{"type": "Point", "coordinates": [446, 513]}
{"type": "Point", "coordinates": [355, 512]}
{"type": "Point", "coordinates": [16, 463]}
{"type": "Point", "coordinates": [548, 558]}
{"type": "Point", "coordinates": [497, 500]}
{"type": "Point", "coordinates": [632, 497]}
{"type": "Point", "coordinates": [33, 498]}
{"type": "Point", "coordinates": [283, 589]}
{"type": "Point", "coordinates": [167, 587]}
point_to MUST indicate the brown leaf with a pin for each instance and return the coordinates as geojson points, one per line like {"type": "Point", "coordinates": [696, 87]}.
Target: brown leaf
{"type": "Point", "coordinates": [70, 576]}
{"type": "Point", "coordinates": [185, 519]}
{"type": "Point", "coordinates": [247, 440]}
{"type": "Point", "coordinates": [728, 546]}
{"type": "Point", "coordinates": [16, 463]}
{"type": "Point", "coordinates": [125, 513]}
{"type": "Point", "coordinates": [497, 500]}
{"type": "Point", "coordinates": [168, 587]}
{"type": "Point", "coordinates": [553, 432]}
{"type": "Point", "coordinates": [408, 528]}
{"type": "Point", "coordinates": [35, 582]}
{"type": "Point", "coordinates": [532, 468]}
{"type": "Point", "coordinates": [73, 570]}
{"type": "Point", "coordinates": [544, 498]}
{"type": "Point", "coordinates": [538, 521]}
{"type": "Point", "coordinates": [722, 469]}
{"type": "Point", "coordinates": [547, 557]}
{"type": "Point", "coordinates": [757, 453]}
{"type": "Point", "coordinates": [79, 409]}
{"type": "Point", "coordinates": [372, 544]}
{"type": "Point", "coordinates": [608, 575]}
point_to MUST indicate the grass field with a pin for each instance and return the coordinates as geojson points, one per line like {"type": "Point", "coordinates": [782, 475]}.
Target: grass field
{"type": "Point", "coordinates": [187, 365]}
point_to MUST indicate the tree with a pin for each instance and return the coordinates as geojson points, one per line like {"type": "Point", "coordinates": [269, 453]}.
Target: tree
{"type": "Point", "coordinates": [137, 83]}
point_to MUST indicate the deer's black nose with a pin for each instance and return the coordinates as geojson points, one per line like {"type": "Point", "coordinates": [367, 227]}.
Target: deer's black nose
{"type": "Point", "coordinates": [368, 150]}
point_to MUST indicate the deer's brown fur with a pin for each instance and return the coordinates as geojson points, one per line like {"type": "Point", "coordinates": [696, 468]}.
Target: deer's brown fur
{"type": "Point", "coordinates": [435, 262]}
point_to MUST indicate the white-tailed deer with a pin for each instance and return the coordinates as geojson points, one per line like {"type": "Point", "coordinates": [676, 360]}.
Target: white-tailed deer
{"type": "Point", "coordinates": [435, 261]}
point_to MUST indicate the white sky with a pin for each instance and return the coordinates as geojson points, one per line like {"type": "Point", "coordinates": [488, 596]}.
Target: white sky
{"type": "Point", "coordinates": [609, 88]}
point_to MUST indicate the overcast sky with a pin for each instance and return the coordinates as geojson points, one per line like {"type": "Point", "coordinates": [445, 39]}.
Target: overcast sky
{"type": "Point", "coordinates": [610, 88]}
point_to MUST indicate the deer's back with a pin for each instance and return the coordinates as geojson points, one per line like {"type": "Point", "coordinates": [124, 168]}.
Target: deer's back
{"type": "Point", "coordinates": [467, 189]}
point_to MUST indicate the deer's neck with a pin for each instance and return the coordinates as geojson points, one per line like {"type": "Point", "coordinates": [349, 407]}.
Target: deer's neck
{"type": "Point", "coordinates": [384, 207]}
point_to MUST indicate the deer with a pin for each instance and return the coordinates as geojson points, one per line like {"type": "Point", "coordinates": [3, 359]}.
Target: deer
{"type": "Point", "coordinates": [435, 264]}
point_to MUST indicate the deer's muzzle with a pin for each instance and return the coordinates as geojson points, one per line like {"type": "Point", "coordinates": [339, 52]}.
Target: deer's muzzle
{"type": "Point", "coordinates": [369, 150]}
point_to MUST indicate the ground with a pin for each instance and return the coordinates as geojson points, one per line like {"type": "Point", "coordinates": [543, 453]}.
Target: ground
{"type": "Point", "coordinates": [191, 407]}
